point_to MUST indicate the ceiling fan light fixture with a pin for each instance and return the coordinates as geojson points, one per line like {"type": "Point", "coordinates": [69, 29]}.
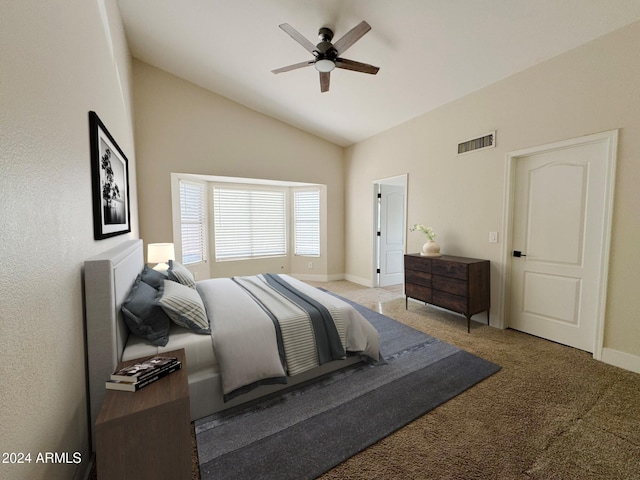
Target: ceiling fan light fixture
{"type": "Point", "coordinates": [326, 54]}
{"type": "Point", "coordinates": [325, 65]}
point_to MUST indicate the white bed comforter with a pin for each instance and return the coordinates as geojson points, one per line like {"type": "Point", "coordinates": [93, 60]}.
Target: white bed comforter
{"type": "Point", "coordinates": [244, 334]}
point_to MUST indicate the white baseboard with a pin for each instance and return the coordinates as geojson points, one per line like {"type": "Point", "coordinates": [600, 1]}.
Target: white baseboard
{"type": "Point", "coordinates": [360, 281]}
{"type": "Point", "coordinates": [335, 277]}
{"type": "Point", "coordinates": [332, 278]}
{"type": "Point", "coordinates": [621, 359]}
{"type": "Point", "coordinates": [318, 278]}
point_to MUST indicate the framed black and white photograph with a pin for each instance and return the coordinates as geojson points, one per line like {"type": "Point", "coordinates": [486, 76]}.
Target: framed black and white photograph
{"type": "Point", "coordinates": [110, 183]}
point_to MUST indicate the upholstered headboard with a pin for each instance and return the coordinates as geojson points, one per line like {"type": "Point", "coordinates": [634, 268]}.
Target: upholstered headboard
{"type": "Point", "coordinates": [108, 277]}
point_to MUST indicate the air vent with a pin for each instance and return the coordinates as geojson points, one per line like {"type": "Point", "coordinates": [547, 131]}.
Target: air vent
{"type": "Point", "coordinates": [485, 141]}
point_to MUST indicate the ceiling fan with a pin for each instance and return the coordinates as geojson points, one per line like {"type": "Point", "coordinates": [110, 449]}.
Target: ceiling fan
{"type": "Point", "coordinates": [327, 55]}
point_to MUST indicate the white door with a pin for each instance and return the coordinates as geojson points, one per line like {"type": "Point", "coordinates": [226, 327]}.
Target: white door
{"type": "Point", "coordinates": [559, 233]}
{"type": "Point", "coordinates": [391, 254]}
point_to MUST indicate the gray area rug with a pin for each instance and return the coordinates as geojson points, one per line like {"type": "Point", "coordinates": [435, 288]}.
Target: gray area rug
{"type": "Point", "coordinates": [302, 433]}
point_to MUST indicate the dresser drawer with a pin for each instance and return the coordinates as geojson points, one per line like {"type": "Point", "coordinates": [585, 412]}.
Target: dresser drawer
{"type": "Point", "coordinates": [418, 292]}
{"type": "Point", "coordinates": [448, 268]}
{"type": "Point", "coordinates": [450, 285]}
{"type": "Point", "coordinates": [416, 276]}
{"type": "Point", "coordinates": [422, 264]}
{"type": "Point", "coordinates": [449, 301]}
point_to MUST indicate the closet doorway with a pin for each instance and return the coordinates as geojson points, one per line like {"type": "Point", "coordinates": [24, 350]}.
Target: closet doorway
{"type": "Point", "coordinates": [389, 199]}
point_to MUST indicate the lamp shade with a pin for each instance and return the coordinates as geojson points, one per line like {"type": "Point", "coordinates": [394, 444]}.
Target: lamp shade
{"type": "Point", "coordinates": [160, 252]}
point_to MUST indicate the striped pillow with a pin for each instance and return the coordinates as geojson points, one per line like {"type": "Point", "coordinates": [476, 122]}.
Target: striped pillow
{"type": "Point", "coordinates": [184, 306]}
{"type": "Point", "coordinates": [179, 273]}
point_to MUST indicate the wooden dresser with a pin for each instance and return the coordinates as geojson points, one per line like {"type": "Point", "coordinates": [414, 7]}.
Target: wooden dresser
{"type": "Point", "coordinates": [458, 284]}
{"type": "Point", "coordinates": [146, 434]}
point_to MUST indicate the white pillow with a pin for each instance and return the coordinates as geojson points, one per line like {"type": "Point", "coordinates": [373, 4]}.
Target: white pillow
{"type": "Point", "coordinates": [184, 306]}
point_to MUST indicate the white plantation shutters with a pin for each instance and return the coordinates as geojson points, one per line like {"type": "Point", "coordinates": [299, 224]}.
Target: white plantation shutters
{"type": "Point", "coordinates": [306, 222]}
{"type": "Point", "coordinates": [249, 223]}
{"type": "Point", "coordinates": [193, 222]}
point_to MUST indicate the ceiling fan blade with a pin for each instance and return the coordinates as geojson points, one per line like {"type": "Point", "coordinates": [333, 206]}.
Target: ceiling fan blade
{"type": "Point", "coordinates": [351, 37]}
{"type": "Point", "coordinates": [297, 36]}
{"type": "Point", "coordinates": [295, 66]}
{"type": "Point", "coordinates": [324, 81]}
{"type": "Point", "coordinates": [356, 66]}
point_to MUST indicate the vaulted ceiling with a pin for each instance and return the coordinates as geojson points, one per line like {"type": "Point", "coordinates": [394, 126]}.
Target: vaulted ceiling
{"type": "Point", "coordinates": [430, 52]}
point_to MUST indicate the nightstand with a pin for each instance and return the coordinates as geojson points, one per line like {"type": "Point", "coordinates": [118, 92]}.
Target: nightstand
{"type": "Point", "coordinates": [146, 434]}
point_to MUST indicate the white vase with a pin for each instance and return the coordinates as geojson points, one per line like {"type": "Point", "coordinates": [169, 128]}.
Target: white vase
{"type": "Point", "coordinates": [430, 249]}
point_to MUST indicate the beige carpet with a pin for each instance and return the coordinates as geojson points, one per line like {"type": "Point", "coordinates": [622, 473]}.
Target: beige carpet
{"type": "Point", "coordinates": [552, 412]}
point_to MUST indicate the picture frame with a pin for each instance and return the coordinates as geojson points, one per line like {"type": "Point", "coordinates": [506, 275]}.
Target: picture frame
{"type": "Point", "coordinates": [110, 182]}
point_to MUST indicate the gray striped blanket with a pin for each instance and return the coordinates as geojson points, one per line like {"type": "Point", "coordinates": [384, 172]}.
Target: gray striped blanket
{"type": "Point", "coordinates": [267, 327]}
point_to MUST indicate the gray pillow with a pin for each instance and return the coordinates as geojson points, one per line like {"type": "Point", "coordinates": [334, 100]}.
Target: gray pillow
{"type": "Point", "coordinates": [184, 306]}
{"type": "Point", "coordinates": [144, 316]}
{"type": "Point", "coordinates": [179, 273]}
{"type": "Point", "coordinates": [153, 277]}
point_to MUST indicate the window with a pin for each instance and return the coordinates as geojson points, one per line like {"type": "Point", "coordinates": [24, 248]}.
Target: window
{"type": "Point", "coordinates": [192, 222]}
{"type": "Point", "coordinates": [249, 222]}
{"type": "Point", "coordinates": [306, 222]}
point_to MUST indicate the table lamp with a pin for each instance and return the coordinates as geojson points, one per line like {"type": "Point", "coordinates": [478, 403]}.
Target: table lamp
{"type": "Point", "coordinates": [160, 253]}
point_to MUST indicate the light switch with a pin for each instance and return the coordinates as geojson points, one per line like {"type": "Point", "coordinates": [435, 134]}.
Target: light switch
{"type": "Point", "coordinates": [493, 237]}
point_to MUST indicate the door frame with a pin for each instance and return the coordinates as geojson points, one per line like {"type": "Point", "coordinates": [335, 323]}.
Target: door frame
{"type": "Point", "coordinates": [611, 138]}
{"type": "Point", "coordinates": [402, 180]}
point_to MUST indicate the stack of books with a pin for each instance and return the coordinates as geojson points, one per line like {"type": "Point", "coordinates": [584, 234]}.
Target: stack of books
{"type": "Point", "coordinates": [135, 377]}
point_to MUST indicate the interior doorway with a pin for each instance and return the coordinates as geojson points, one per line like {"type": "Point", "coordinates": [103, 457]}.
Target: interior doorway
{"type": "Point", "coordinates": [559, 227]}
{"type": "Point", "coordinates": [390, 198]}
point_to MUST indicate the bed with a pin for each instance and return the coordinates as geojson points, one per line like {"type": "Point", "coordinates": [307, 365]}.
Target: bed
{"type": "Point", "coordinates": [220, 360]}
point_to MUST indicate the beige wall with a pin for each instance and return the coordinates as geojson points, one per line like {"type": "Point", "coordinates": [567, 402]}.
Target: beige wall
{"type": "Point", "coordinates": [182, 128]}
{"type": "Point", "coordinates": [591, 89]}
{"type": "Point", "coordinates": [57, 63]}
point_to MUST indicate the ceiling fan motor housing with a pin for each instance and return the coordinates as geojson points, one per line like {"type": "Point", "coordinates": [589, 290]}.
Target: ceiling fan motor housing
{"type": "Point", "coordinates": [325, 48]}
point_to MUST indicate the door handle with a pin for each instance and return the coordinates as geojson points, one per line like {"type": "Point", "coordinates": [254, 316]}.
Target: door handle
{"type": "Point", "coordinates": [518, 253]}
